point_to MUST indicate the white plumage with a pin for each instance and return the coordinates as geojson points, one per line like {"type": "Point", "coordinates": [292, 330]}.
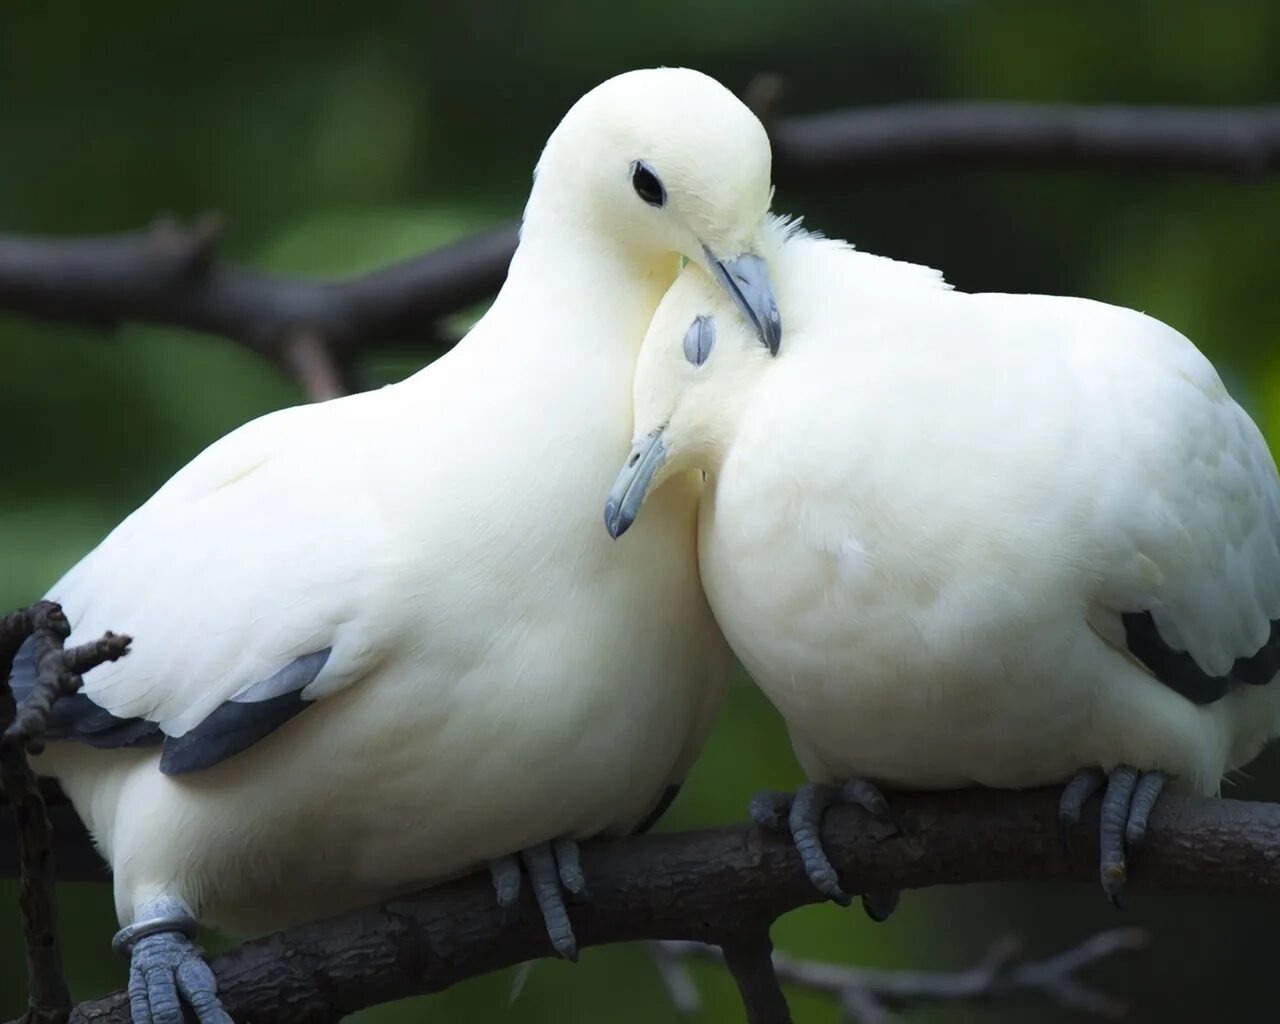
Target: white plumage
{"type": "Point", "coordinates": [498, 674]}
{"type": "Point", "coordinates": [926, 517]}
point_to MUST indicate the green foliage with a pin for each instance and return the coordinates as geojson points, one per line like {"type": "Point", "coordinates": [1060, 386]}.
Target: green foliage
{"type": "Point", "coordinates": [337, 136]}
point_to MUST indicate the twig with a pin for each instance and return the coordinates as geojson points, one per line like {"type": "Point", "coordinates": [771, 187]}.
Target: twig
{"type": "Point", "coordinates": [706, 886]}
{"type": "Point", "coordinates": [868, 996]}
{"type": "Point", "coordinates": [58, 671]}
{"type": "Point", "coordinates": [48, 998]}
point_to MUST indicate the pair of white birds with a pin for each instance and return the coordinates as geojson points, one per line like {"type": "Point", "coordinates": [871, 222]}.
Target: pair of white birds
{"type": "Point", "coordinates": [956, 538]}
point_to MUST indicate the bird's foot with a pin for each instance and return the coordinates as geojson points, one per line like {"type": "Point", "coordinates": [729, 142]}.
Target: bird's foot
{"type": "Point", "coordinates": [1126, 807]}
{"type": "Point", "coordinates": [166, 970]}
{"type": "Point", "coordinates": [802, 815]}
{"type": "Point", "coordinates": [553, 870]}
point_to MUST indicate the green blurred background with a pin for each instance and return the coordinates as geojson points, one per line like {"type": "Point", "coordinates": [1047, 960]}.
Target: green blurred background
{"type": "Point", "coordinates": [334, 137]}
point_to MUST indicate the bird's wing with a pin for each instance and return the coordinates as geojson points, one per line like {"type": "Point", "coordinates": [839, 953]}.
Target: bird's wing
{"type": "Point", "coordinates": [1194, 579]}
{"type": "Point", "coordinates": [246, 582]}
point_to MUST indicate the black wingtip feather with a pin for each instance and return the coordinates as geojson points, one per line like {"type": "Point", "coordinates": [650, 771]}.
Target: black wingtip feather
{"type": "Point", "coordinates": [229, 729]}
{"type": "Point", "coordinates": [1179, 671]}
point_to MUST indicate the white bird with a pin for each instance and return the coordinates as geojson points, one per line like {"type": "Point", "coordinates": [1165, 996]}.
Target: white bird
{"type": "Point", "coordinates": [382, 640]}
{"type": "Point", "coordinates": [1005, 540]}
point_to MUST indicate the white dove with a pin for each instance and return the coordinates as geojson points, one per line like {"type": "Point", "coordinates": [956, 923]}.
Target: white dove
{"type": "Point", "coordinates": [382, 641]}
{"type": "Point", "coordinates": [1006, 540]}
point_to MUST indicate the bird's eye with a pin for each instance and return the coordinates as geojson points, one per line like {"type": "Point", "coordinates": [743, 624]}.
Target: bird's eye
{"type": "Point", "coordinates": [699, 339]}
{"type": "Point", "coordinates": [647, 185]}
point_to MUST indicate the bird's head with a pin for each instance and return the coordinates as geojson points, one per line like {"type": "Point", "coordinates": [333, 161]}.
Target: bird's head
{"type": "Point", "coordinates": [667, 161]}
{"type": "Point", "coordinates": [697, 366]}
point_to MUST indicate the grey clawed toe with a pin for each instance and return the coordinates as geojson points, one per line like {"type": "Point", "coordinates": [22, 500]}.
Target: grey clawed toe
{"type": "Point", "coordinates": [1075, 795]}
{"type": "Point", "coordinates": [553, 869]}
{"type": "Point", "coordinates": [1126, 808]}
{"type": "Point", "coordinates": [769, 809]}
{"type": "Point", "coordinates": [507, 874]}
{"type": "Point", "coordinates": [880, 905]}
{"type": "Point", "coordinates": [805, 821]}
{"type": "Point", "coordinates": [802, 816]}
{"type": "Point", "coordinates": [1145, 794]}
{"type": "Point", "coordinates": [166, 971]}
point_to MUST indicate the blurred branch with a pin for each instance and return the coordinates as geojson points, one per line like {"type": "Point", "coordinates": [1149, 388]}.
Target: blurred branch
{"type": "Point", "coordinates": [57, 673]}
{"type": "Point", "coordinates": [312, 329]}
{"type": "Point", "coordinates": [717, 887]}
{"type": "Point", "coordinates": [1241, 142]}
{"type": "Point", "coordinates": [867, 996]}
{"type": "Point", "coordinates": [170, 275]}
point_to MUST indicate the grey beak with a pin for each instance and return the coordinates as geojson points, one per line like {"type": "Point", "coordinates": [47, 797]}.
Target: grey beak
{"type": "Point", "coordinates": [632, 483]}
{"type": "Point", "coordinates": [746, 279]}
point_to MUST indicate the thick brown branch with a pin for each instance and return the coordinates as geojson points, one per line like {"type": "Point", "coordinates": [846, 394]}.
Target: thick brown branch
{"type": "Point", "coordinates": [716, 886]}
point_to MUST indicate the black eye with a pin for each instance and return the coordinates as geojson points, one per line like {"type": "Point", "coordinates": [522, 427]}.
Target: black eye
{"type": "Point", "coordinates": [647, 185]}
{"type": "Point", "coordinates": [699, 340]}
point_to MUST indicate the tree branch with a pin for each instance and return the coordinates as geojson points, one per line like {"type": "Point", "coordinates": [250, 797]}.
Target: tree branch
{"type": "Point", "coordinates": [170, 275]}
{"type": "Point", "coordinates": [865, 995]}
{"type": "Point", "coordinates": [749, 957]}
{"type": "Point", "coordinates": [57, 673]}
{"type": "Point", "coordinates": [1242, 142]}
{"type": "Point", "coordinates": [77, 860]}
{"type": "Point", "coordinates": [715, 886]}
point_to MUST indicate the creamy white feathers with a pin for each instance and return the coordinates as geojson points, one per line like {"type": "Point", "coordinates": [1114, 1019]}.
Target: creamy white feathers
{"type": "Point", "coordinates": [499, 674]}
{"type": "Point", "coordinates": [927, 516]}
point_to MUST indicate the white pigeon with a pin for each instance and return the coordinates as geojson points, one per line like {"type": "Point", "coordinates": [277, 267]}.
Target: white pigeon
{"type": "Point", "coordinates": [382, 641]}
{"type": "Point", "coordinates": [1005, 540]}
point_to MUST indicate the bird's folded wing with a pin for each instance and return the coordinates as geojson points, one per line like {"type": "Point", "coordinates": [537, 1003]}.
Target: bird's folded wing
{"type": "Point", "coordinates": [249, 584]}
{"type": "Point", "coordinates": [1196, 577]}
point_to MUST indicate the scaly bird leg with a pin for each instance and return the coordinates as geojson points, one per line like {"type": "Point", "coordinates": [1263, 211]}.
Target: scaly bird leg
{"type": "Point", "coordinates": [553, 869]}
{"type": "Point", "coordinates": [1126, 807]}
{"type": "Point", "coordinates": [802, 815]}
{"type": "Point", "coordinates": [166, 969]}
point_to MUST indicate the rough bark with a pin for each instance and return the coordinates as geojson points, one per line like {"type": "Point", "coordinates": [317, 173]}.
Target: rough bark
{"type": "Point", "coordinates": [716, 886]}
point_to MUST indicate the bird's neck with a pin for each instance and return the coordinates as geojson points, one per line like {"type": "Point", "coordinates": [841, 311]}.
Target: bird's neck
{"type": "Point", "coordinates": [717, 432]}
{"type": "Point", "coordinates": [579, 284]}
